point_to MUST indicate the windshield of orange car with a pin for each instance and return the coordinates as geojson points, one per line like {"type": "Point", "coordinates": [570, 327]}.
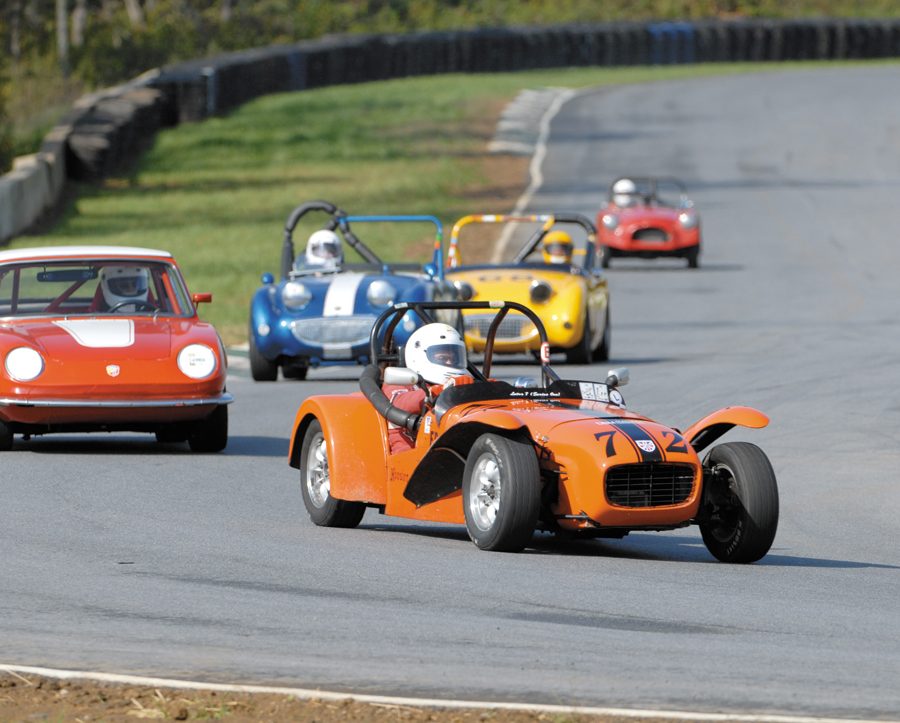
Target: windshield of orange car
{"type": "Point", "coordinates": [93, 287]}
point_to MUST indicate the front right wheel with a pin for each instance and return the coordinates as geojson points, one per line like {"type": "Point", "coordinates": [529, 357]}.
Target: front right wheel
{"type": "Point", "coordinates": [740, 503]}
{"type": "Point", "coordinates": [501, 493]}
{"type": "Point", "coordinates": [315, 476]}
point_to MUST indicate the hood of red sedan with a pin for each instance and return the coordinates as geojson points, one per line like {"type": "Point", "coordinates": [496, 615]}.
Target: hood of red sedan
{"type": "Point", "coordinates": [96, 338]}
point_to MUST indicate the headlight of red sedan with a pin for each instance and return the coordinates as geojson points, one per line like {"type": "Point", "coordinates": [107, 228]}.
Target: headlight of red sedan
{"type": "Point", "coordinates": [197, 361]}
{"type": "Point", "coordinates": [24, 364]}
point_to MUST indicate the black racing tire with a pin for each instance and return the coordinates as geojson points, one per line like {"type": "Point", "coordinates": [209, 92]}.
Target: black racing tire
{"type": "Point", "coordinates": [172, 434]}
{"type": "Point", "coordinates": [210, 434]}
{"type": "Point", "coordinates": [297, 373]}
{"type": "Point", "coordinates": [501, 493]}
{"type": "Point", "coordinates": [315, 484]}
{"type": "Point", "coordinates": [581, 352]}
{"type": "Point", "coordinates": [261, 369]}
{"type": "Point", "coordinates": [6, 437]}
{"type": "Point", "coordinates": [740, 503]}
{"type": "Point", "coordinates": [601, 353]}
{"type": "Point", "coordinates": [693, 258]}
{"type": "Point", "coordinates": [605, 256]}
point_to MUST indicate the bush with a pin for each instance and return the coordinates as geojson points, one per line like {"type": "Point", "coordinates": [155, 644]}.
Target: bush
{"type": "Point", "coordinates": [6, 143]}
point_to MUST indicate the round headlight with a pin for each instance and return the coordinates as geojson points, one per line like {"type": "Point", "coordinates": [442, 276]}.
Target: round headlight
{"type": "Point", "coordinates": [610, 221]}
{"type": "Point", "coordinates": [197, 361]}
{"type": "Point", "coordinates": [688, 220]}
{"type": "Point", "coordinates": [540, 291]}
{"type": "Point", "coordinates": [24, 364]}
{"type": "Point", "coordinates": [464, 290]}
{"type": "Point", "coordinates": [295, 295]}
{"type": "Point", "coordinates": [381, 293]}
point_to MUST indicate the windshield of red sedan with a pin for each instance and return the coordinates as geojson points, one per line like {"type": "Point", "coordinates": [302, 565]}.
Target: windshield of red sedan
{"type": "Point", "coordinates": [93, 287]}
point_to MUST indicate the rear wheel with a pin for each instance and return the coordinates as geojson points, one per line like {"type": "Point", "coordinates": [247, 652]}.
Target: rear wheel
{"type": "Point", "coordinates": [261, 369]}
{"type": "Point", "coordinates": [501, 493]}
{"type": "Point", "coordinates": [740, 503]}
{"type": "Point", "coordinates": [297, 373]}
{"type": "Point", "coordinates": [6, 437]}
{"type": "Point", "coordinates": [324, 510]}
{"type": "Point", "coordinates": [210, 434]}
{"type": "Point", "coordinates": [172, 434]}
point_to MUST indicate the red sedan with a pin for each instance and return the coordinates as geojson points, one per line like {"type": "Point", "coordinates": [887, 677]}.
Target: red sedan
{"type": "Point", "coordinates": [101, 338]}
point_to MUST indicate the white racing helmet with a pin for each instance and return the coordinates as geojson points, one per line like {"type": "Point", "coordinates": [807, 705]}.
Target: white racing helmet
{"type": "Point", "coordinates": [124, 283]}
{"type": "Point", "coordinates": [324, 249]}
{"type": "Point", "coordinates": [623, 193]}
{"type": "Point", "coordinates": [436, 352]}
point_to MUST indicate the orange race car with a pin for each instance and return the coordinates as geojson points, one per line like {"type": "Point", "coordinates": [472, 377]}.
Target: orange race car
{"type": "Point", "coordinates": [508, 458]}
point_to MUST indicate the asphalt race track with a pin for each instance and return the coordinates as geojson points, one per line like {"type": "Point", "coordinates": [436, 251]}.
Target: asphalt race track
{"type": "Point", "coordinates": [122, 555]}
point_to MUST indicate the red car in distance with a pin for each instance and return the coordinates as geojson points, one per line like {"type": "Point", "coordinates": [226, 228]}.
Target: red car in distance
{"type": "Point", "coordinates": [648, 217]}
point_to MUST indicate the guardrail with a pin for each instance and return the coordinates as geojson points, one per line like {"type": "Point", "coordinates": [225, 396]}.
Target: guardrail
{"type": "Point", "coordinates": [109, 128]}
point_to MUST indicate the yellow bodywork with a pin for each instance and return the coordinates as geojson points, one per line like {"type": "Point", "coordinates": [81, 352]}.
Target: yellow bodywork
{"type": "Point", "coordinates": [573, 298]}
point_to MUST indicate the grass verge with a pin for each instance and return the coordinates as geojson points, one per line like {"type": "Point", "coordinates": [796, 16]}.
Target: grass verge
{"type": "Point", "coordinates": [216, 194]}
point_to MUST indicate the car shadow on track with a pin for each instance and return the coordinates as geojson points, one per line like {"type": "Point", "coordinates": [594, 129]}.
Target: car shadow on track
{"type": "Point", "coordinates": [238, 446]}
{"type": "Point", "coordinates": [634, 547]}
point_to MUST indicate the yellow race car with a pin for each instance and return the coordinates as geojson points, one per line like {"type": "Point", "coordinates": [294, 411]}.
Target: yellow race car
{"type": "Point", "coordinates": [563, 284]}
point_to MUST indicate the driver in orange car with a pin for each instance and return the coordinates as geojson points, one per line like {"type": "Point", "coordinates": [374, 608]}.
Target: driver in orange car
{"type": "Point", "coordinates": [437, 353]}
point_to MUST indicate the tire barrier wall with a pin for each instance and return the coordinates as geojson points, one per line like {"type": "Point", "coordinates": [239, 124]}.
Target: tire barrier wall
{"type": "Point", "coordinates": [110, 128]}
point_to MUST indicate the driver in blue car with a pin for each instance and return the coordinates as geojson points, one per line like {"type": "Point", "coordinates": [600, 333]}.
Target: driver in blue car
{"type": "Point", "coordinates": [437, 353]}
{"type": "Point", "coordinates": [323, 251]}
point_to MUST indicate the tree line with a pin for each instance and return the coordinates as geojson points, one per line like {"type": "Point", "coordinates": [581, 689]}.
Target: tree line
{"type": "Point", "coordinates": [96, 43]}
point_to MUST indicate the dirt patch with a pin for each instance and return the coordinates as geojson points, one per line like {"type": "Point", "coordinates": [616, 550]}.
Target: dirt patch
{"type": "Point", "coordinates": [31, 698]}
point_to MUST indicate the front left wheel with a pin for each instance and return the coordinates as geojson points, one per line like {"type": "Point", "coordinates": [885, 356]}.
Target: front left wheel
{"type": "Point", "coordinates": [501, 493]}
{"type": "Point", "coordinates": [315, 478]}
{"type": "Point", "coordinates": [740, 503]}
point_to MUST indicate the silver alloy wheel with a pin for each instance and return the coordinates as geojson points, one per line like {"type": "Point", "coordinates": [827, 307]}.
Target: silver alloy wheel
{"type": "Point", "coordinates": [317, 479]}
{"type": "Point", "coordinates": [484, 492]}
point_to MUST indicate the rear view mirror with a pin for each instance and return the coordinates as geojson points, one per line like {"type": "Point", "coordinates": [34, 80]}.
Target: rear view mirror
{"type": "Point", "coordinates": [201, 298]}
{"type": "Point", "coordinates": [400, 376]}
{"type": "Point", "coordinates": [617, 377]}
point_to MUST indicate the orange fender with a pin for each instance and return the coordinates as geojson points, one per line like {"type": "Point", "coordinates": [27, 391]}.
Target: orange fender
{"type": "Point", "coordinates": [703, 433]}
{"type": "Point", "coordinates": [357, 462]}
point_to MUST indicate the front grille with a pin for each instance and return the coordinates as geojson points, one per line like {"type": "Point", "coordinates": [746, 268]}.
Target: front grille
{"type": "Point", "coordinates": [350, 330]}
{"type": "Point", "coordinates": [649, 484]}
{"type": "Point", "coordinates": [512, 327]}
{"type": "Point", "coordinates": [650, 234]}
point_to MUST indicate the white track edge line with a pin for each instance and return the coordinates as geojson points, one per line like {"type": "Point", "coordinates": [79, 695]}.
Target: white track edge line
{"type": "Point", "coordinates": [312, 694]}
{"type": "Point", "coordinates": [534, 170]}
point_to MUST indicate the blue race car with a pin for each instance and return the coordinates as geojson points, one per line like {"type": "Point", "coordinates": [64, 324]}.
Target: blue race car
{"type": "Point", "coordinates": [321, 311]}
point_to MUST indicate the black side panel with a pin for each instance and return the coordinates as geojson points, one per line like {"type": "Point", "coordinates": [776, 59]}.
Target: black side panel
{"type": "Point", "coordinates": [708, 435]}
{"type": "Point", "coordinates": [441, 470]}
{"type": "Point", "coordinates": [468, 393]}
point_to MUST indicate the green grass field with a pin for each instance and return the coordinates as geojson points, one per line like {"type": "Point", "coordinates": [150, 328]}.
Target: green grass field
{"type": "Point", "coordinates": [216, 194]}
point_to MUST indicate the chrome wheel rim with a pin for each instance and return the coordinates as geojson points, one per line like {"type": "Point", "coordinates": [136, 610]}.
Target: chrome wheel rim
{"type": "Point", "coordinates": [318, 482]}
{"type": "Point", "coordinates": [484, 492]}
